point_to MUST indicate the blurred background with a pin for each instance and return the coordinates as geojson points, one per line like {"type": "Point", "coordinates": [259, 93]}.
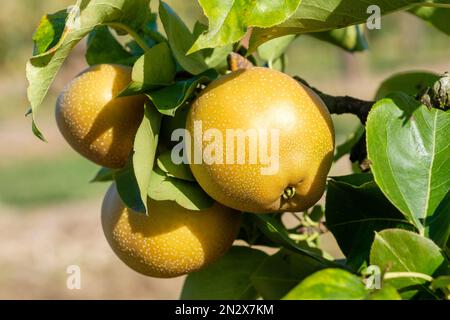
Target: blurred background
{"type": "Point", "coordinates": [49, 212]}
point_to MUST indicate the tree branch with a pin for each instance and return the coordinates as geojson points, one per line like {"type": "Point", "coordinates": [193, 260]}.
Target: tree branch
{"type": "Point", "coordinates": [342, 104]}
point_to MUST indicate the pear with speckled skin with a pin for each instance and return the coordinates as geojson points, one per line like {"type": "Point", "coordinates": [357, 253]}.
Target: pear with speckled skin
{"type": "Point", "coordinates": [94, 122]}
{"type": "Point", "coordinates": [271, 101]}
{"type": "Point", "coordinates": [171, 240]}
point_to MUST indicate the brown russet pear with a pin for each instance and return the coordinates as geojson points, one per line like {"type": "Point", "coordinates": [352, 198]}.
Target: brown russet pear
{"type": "Point", "coordinates": [262, 99]}
{"type": "Point", "coordinates": [171, 240]}
{"type": "Point", "coordinates": [94, 121]}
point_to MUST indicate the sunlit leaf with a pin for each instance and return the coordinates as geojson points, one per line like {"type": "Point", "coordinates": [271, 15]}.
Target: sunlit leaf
{"type": "Point", "coordinates": [229, 20]}
{"type": "Point", "coordinates": [408, 147]}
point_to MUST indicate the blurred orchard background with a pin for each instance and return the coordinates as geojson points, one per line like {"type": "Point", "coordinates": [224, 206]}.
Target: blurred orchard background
{"type": "Point", "coordinates": [49, 212]}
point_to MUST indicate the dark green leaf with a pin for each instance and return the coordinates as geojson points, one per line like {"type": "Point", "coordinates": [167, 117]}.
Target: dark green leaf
{"type": "Point", "coordinates": [229, 20]}
{"type": "Point", "coordinates": [398, 250]}
{"type": "Point", "coordinates": [356, 180]}
{"type": "Point", "coordinates": [187, 194]}
{"type": "Point", "coordinates": [128, 188]}
{"type": "Point", "coordinates": [170, 124]}
{"type": "Point", "coordinates": [180, 40]}
{"type": "Point", "coordinates": [407, 82]}
{"type": "Point", "coordinates": [103, 47]}
{"type": "Point", "coordinates": [149, 34]}
{"type": "Point", "coordinates": [408, 148]}
{"type": "Point", "coordinates": [438, 226]}
{"type": "Point", "coordinates": [281, 272]}
{"type": "Point", "coordinates": [316, 214]}
{"type": "Point", "coordinates": [180, 171]}
{"type": "Point", "coordinates": [156, 68]}
{"type": "Point", "coordinates": [250, 233]}
{"type": "Point", "coordinates": [226, 279]}
{"type": "Point", "coordinates": [355, 209]}
{"type": "Point", "coordinates": [329, 284]}
{"type": "Point", "coordinates": [168, 99]}
{"type": "Point", "coordinates": [351, 38]}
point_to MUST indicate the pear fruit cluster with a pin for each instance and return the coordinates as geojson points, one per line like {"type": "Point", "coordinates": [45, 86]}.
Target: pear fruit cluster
{"type": "Point", "coordinates": [171, 240]}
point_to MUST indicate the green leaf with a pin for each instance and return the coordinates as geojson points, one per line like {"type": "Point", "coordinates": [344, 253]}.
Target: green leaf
{"type": "Point", "coordinates": [351, 38]}
{"type": "Point", "coordinates": [170, 124]}
{"type": "Point", "coordinates": [324, 15]}
{"type": "Point", "coordinates": [438, 17]}
{"type": "Point", "coordinates": [408, 148]}
{"type": "Point", "coordinates": [226, 279]}
{"type": "Point", "coordinates": [104, 175]}
{"type": "Point", "coordinates": [217, 58]}
{"type": "Point", "coordinates": [316, 214]}
{"type": "Point", "coordinates": [347, 146]}
{"type": "Point", "coordinates": [156, 68]}
{"type": "Point", "coordinates": [250, 233]}
{"type": "Point", "coordinates": [49, 31]}
{"type": "Point", "coordinates": [180, 171]}
{"type": "Point", "coordinates": [229, 20]}
{"type": "Point", "coordinates": [276, 232]}
{"type": "Point", "coordinates": [180, 40]}
{"type": "Point", "coordinates": [398, 250]}
{"type": "Point", "coordinates": [103, 47]}
{"type": "Point", "coordinates": [387, 292]}
{"type": "Point", "coordinates": [187, 194]}
{"type": "Point", "coordinates": [42, 68]}
{"type": "Point", "coordinates": [407, 82]}
{"type": "Point", "coordinates": [145, 144]}
{"type": "Point", "coordinates": [133, 180]}
{"type": "Point", "coordinates": [355, 209]}
{"type": "Point", "coordinates": [281, 272]}
{"type": "Point", "coordinates": [149, 34]}
{"type": "Point", "coordinates": [168, 99]}
{"type": "Point", "coordinates": [329, 284]}
{"type": "Point", "coordinates": [128, 188]}
{"type": "Point", "coordinates": [274, 49]}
